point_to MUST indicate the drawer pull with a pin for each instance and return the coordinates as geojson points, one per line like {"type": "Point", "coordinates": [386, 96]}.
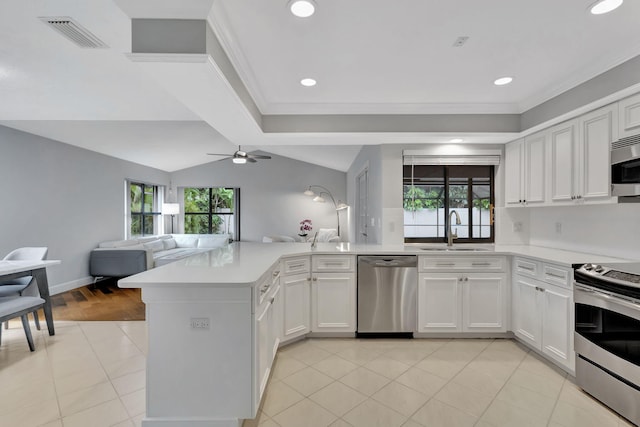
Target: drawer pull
{"type": "Point", "coordinates": [265, 289]}
{"type": "Point", "coordinates": [296, 265]}
{"type": "Point", "coordinates": [445, 264]}
{"type": "Point", "coordinates": [276, 273]}
{"type": "Point", "coordinates": [526, 268]}
{"type": "Point", "coordinates": [481, 264]}
{"type": "Point", "coordinates": [558, 276]}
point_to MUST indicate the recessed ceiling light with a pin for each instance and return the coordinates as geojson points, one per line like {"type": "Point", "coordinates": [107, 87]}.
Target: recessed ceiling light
{"type": "Point", "coordinates": [503, 81]}
{"type": "Point", "coordinates": [455, 140]}
{"type": "Point", "coordinates": [604, 6]}
{"type": "Point", "coordinates": [302, 8]}
{"type": "Point", "coordinates": [308, 82]}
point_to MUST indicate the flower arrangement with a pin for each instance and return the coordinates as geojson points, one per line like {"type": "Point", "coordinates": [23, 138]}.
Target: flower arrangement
{"type": "Point", "coordinates": [305, 227]}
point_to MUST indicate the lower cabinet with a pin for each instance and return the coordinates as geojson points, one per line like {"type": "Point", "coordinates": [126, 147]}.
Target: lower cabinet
{"type": "Point", "coordinates": [268, 330]}
{"type": "Point", "coordinates": [333, 297]}
{"type": "Point", "coordinates": [462, 302]}
{"type": "Point", "coordinates": [296, 317]}
{"type": "Point", "coordinates": [543, 313]}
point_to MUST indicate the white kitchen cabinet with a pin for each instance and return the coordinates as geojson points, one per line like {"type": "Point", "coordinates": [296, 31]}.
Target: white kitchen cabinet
{"type": "Point", "coordinates": [563, 161]}
{"type": "Point", "coordinates": [333, 293]}
{"type": "Point", "coordinates": [580, 157]}
{"type": "Point", "coordinates": [295, 282]}
{"type": "Point", "coordinates": [542, 310]}
{"type": "Point", "coordinates": [514, 176]}
{"type": "Point", "coordinates": [525, 170]}
{"type": "Point", "coordinates": [484, 302]}
{"type": "Point", "coordinates": [629, 120]}
{"type": "Point", "coordinates": [268, 331]}
{"type": "Point", "coordinates": [333, 297]}
{"type": "Point", "coordinates": [597, 130]}
{"type": "Point", "coordinates": [466, 294]}
{"type": "Point", "coordinates": [438, 302]}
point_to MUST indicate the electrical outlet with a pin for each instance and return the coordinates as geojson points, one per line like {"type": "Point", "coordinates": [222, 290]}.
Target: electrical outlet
{"type": "Point", "coordinates": [517, 227]}
{"type": "Point", "coordinates": [200, 323]}
{"type": "Point", "coordinates": [558, 227]}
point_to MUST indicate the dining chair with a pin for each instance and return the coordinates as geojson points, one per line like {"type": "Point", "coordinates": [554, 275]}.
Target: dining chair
{"type": "Point", "coordinates": [23, 286]}
{"type": "Point", "coordinates": [20, 306]}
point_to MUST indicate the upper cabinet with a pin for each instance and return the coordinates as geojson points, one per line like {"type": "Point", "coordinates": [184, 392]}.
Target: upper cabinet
{"type": "Point", "coordinates": [568, 163]}
{"type": "Point", "coordinates": [525, 170]}
{"type": "Point", "coordinates": [629, 109]}
{"type": "Point", "coordinates": [596, 131]}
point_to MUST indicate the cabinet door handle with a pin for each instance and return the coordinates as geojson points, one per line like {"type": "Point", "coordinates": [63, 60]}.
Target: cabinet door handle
{"type": "Point", "coordinates": [276, 273]}
{"type": "Point", "coordinates": [315, 279]}
{"type": "Point", "coordinates": [308, 279]}
{"type": "Point", "coordinates": [272, 300]}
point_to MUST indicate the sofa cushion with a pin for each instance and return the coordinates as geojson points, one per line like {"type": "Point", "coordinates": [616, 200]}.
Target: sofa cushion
{"type": "Point", "coordinates": [213, 241]}
{"type": "Point", "coordinates": [118, 243]}
{"type": "Point", "coordinates": [147, 239]}
{"type": "Point", "coordinates": [154, 246]}
{"type": "Point", "coordinates": [186, 240]}
{"type": "Point", "coordinates": [169, 243]}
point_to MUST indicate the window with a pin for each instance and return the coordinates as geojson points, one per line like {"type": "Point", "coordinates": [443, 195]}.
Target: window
{"type": "Point", "coordinates": [213, 210]}
{"type": "Point", "coordinates": [431, 192]}
{"type": "Point", "coordinates": [143, 208]}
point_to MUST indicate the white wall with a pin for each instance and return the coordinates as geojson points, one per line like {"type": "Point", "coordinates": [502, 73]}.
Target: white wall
{"type": "Point", "coordinates": [370, 157]}
{"type": "Point", "coordinates": [271, 199]}
{"type": "Point", "coordinates": [63, 197]}
{"type": "Point", "coordinates": [612, 230]}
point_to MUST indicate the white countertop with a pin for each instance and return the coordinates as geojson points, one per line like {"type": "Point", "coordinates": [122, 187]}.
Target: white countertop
{"type": "Point", "coordinates": [243, 263]}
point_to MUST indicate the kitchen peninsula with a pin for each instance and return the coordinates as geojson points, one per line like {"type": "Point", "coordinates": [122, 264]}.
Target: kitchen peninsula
{"type": "Point", "coordinates": [215, 319]}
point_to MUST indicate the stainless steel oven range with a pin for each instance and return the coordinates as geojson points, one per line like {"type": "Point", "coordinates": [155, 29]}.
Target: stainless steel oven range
{"type": "Point", "coordinates": [607, 335]}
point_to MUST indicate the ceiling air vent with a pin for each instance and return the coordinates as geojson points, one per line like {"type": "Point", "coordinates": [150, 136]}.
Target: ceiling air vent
{"type": "Point", "coordinates": [73, 31]}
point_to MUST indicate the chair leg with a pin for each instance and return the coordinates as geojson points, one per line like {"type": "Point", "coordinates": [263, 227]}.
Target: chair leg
{"type": "Point", "coordinates": [27, 331]}
{"type": "Point", "coordinates": [36, 319]}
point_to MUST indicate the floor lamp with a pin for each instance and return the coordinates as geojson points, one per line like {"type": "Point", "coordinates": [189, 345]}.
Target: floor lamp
{"type": "Point", "coordinates": [172, 209]}
{"type": "Point", "coordinates": [318, 198]}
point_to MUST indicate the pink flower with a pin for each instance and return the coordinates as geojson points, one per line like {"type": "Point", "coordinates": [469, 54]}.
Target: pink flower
{"type": "Point", "coordinates": [305, 226]}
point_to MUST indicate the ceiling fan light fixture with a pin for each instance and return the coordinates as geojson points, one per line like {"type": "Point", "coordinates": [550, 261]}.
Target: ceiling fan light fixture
{"type": "Point", "coordinates": [456, 140]}
{"type": "Point", "coordinates": [302, 8]}
{"type": "Point", "coordinates": [604, 6]}
{"type": "Point", "coordinates": [308, 82]}
{"type": "Point", "coordinates": [341, 206]}
{"type": "Point", "coordinates": [308, 192]}
{"type": "Point", "coordinates": [239, 160]}
{"type": "Point", "coordinates": [319, 199]}
{"type": "Point", "coordinates": [503, 81]}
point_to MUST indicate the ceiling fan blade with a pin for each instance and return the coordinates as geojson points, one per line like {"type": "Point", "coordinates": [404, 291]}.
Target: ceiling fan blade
{"type": "Point", "coordinates": [218, 154]}
{"type": "Point", "coordinates": [251, 160]}
{"type": "Point", "coordinates": [259, 156]}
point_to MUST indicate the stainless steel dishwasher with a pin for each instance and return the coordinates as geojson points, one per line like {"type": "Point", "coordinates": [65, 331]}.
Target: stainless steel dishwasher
{"type": "Point", "coordinates": [387, 295]}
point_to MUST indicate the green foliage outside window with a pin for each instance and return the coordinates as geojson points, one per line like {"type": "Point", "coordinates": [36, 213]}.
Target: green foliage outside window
{"type": "Point", "coordinates": [208, 210]}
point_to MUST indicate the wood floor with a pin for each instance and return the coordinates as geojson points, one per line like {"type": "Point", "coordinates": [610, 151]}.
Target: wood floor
{"type": "Point", "coordinates": [105, 301]}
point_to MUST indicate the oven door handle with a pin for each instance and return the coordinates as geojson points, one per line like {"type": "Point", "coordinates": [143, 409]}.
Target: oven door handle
{"type": "Point", "coordinates": [590, 296]}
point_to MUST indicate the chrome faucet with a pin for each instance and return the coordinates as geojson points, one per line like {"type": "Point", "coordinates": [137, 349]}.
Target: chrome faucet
{"type": "Point", "coordinates": [451, 235]}
{"type": "Point", "coordinates": [313, 243]}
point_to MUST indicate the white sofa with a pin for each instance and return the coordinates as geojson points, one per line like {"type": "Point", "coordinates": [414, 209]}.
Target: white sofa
{"type": "Point", "coordinates": [121, 258]}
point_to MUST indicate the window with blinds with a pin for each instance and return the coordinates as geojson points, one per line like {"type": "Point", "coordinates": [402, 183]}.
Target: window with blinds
{"type": "Point", "coordinates": [432, 191]}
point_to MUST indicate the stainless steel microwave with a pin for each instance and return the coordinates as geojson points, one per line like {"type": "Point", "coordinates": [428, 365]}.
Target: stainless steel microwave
{"type": "Point", "coordinates": [625, 169]}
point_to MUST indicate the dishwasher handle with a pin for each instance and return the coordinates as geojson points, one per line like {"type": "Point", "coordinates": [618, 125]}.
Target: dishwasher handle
{"type": "Point", "coordinates": [389, 261]}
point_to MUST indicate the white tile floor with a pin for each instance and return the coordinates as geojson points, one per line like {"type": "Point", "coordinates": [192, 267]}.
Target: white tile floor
{"type": "Point", "coordinates": [92, 374]}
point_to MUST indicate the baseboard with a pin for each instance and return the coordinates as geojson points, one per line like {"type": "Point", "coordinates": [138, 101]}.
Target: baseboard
{"type": "Point", "coordinates": [68, 286]}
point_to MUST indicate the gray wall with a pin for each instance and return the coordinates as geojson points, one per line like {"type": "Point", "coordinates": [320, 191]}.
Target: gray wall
{"type": "Point", "coordinates": [63, 197]}
{"type": "Point", "coordinates": [271, 196]}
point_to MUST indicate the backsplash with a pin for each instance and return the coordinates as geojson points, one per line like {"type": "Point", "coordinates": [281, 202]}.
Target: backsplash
{"type": "Point", "coordinates": [609, 229]}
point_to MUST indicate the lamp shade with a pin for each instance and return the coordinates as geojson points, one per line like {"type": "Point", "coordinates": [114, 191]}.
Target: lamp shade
{"type": "Point", "coordinates": [341, 206]}
{"type": "Point", "coordinates": [170, 208]}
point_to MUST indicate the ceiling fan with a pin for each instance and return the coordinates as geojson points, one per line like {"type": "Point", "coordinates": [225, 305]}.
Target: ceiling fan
{"type": "Point", "coordinates": [241, 157]}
